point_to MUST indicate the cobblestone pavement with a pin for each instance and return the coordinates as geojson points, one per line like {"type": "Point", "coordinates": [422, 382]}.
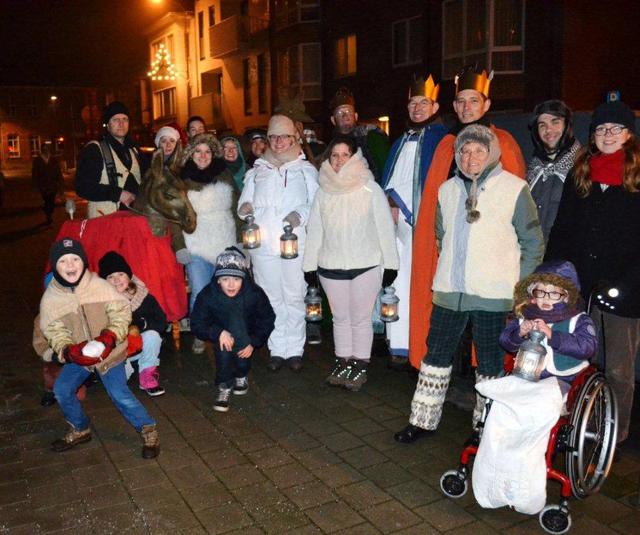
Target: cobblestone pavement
{"type": "Point", "coordinates": [292, 456]}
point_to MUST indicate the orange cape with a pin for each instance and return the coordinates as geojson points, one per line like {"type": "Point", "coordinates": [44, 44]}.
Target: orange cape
{"type": "Point", "coordinates": [425, 251]}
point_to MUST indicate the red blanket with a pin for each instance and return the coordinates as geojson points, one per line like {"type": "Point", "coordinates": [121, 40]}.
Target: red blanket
{"type": "Point", "coordinates": [150, 257]}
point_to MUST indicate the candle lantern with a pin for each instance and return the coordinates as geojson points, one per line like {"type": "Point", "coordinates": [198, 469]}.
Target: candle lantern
{"type": "Point", "coordinates": [288, 243]}
{"type": "Point", "coordinates": [250, 234]}
{"type": "Point", "coordinates": [313, 303]}
{"type": "Point", "coordinates": [70, 207]}
{"type": "Point", "coordinates": [389, 305]}
{"type": "Point", "coordinates": [530, 357]}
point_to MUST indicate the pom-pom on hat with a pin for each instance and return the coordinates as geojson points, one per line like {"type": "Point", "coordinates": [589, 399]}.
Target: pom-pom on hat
{"type": "Point", "coordinates": [113, 262]}
{"type": "Point", "coordinates": [231, 263]}
{"type": "Point", "coordinates": [113, 108]}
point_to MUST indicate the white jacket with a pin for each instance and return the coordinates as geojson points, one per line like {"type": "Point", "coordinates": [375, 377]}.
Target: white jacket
{"type": "Point", "coordinates": [350, 225]}
{"type": "Point", "coordinates": [275, 192]}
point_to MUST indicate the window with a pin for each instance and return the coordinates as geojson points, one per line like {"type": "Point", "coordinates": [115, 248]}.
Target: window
{"type": "Point", "coordinates": [212, 16]}
{"type": "Point", "coordinates": [262, 83]}
{"type": "Point", "coordinates": [345, 56]}
{"type": "Point", "coordinates": [167, 41]}
{"type": "Point", "coordinates": [164, 103]}
{"type": "Point", "coordinates": [13, 145]}
{"type": "Point", "coordinates": [32, 106]}
{"type": "Point", "coordinates": [489, 32]}
{"type": "Point", "coordinates": [407, 41]}
{"type": "Point", "coordinates": [300, 68]}
{"type": "Point", "coordinates": [34, 145]}
{"type": "Point", "coordinates": [201, 34]}
{"type": "Point", "coordinates": [289, 12]}
{"type": "Point", "coordinates": [246, 86]}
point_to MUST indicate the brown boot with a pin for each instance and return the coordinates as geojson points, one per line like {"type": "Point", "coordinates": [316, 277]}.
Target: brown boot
{"type": "Point", "coordinates": [71, 439]}
{"type": "Point", "coordinates": [150, 442]}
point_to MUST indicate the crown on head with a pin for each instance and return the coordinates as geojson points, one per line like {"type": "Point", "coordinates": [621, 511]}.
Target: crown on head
{"type": "Point", "coordinates": [470, 79]}
{"type": "Point", "coordinates": [342, 97]}
{"type": "Point", "coordinates": [428, 88]}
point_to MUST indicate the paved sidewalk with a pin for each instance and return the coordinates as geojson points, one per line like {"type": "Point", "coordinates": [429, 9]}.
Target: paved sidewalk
{"type": "Point", "coordinates": [292, 456]}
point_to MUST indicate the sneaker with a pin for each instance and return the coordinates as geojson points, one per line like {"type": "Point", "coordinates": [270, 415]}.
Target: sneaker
{"type": "Point", "coordinates": [153, 391]}
{"type": "Point", "coordinates": [339, 373]}
{"type": "Point", "coordinates": [314, 336]}
{"type": "Point", "coordinates": [240, 386]}
{"type": "Point", "coordinates": [150, 442]}
{"type": "Point", "coordinates": [198, 347]}
{"type": "Point", "coordinates": [357, 375]}
{"type": "Point", "coordinates": [221, 403]}
{"type": "Point", "coordinates": [275, 363]}
{"type": "Point", "coordinates": [71, 439]}
{"type": "Point", "coordinates": [295, 364]}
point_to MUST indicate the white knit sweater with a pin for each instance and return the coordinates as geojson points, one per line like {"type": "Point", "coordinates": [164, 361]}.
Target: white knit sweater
{"type": "Point", "coordinates": [350, 224]}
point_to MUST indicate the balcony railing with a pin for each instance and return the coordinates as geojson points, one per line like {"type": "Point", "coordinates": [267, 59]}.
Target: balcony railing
{"type": "Point", "coordinates": [209, 107]}
{"type": "Point", "coordinates": [235, 34]}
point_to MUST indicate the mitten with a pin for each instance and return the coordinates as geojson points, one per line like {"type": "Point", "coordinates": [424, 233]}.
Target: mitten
{"type": "Point", "coordinates": [73, 353]}
{"type": "Point", "coordinates": [293, 218]}
{"type": "Point", "coordinates": [246, 208]}
{"type": "Point", "coordinates": [109, 339]}
{"type": "Point", "coordinates": [311, 278]}
{"type": "Point", "coordinates": [388, 276]}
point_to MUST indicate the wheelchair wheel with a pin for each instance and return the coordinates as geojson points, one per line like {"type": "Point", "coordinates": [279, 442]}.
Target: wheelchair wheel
{"type": "Point", "coordinates": [454, 483]}
{"type": "Point", "coordinates": [555, 519]}
{"type": "Point", "coordinates": [592, 441]}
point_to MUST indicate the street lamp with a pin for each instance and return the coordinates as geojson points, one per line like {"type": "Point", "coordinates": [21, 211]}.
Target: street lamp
{"type": "Point", "coordinates": [53, 98]}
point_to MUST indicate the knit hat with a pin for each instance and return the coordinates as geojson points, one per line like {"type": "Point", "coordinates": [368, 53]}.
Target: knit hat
{"type": "Point", "coordinates": [281, 125]}
{"type": "Point", "coordinates": [257, 133]}
{"type": "Point", "coordinates": [231, 263]}
{"type": "Point", "coordinates": [168, 131]}
{"type": "Point", "coordinates": [63, 247]}
{"type": "Point", "coordinates": [207, 139]}
{"type": "Point", "coordinates": [113, 108]}
{"type": "Point", "coordinates": [613, 112]}
{"type": "Point", "coordinates": [113, 262]}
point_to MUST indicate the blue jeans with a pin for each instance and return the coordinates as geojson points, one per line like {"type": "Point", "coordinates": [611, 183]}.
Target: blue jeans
{"type": "Point", "coordinates": [229, 366]}
{"type": "Point", "coordinates": [115, 383]}
{"type": "Point", "coordinates": [149, 356]}
{"type": "Point", "coordinates": [200, 273]}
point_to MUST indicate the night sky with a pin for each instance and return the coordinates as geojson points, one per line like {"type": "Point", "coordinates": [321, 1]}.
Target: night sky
{"type": "Point", "coordinates": [75, 42]}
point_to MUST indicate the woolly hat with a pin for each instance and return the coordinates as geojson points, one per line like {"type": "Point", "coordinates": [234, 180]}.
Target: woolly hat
{"type": "Point", "coordinates": [63, 247]}
{"type": "Point", "coordinates": [113, 108]}
{"type": "Point", "coordinates": [613, 112]}
{"type": "Point", "coordinates": [561, 273]}
{"type": "Point", "coordinates": [168, 131]}
{"type": "Point", "coordinates": [113, 262]}
{"type": "Point", "coordinates": [207, 139]}
{"type": "Point", "coordinates": [281, 125]}
{"type": "Point", "coordinates": [257, 133]}
{"type": "Point", "coordinates": [231, 263]}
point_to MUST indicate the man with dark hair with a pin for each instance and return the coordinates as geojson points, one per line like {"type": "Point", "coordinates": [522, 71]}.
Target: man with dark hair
{"type": "Point", "coordinates": [195, 126]}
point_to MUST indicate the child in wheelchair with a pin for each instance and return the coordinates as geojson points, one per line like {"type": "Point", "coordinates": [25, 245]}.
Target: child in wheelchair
{"type": "Point", "coordinates": [510, 467]}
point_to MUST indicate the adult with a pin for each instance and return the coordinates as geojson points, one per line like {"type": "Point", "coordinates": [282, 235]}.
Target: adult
{"type": "Point", "coordinates": [110, 169]}
{"type": "Point", "coordinates": [234, 159]}
{"type": "Point", "coordinates": [488, 237]}
{"type": "Point", "coordinates": [213, 195]}
{"type": "Point", "coordinates": [372, 141]}
{"type": "Point", "coordinates": [350, 237]}
{"type": "Point", "coordinates": [47, 177]}
{"type": "Point", "coordinates": [279, 190]}
{"type": "Point", "coordinates": [403, 182]}
{"type": "Point", "coordinates": [195, 126]}
{"type": "Point", "coordinates": [258, 144]}
{"type": "Point", "coordinates": [554, 150]}
{"type": "Point", "coordinates": [471, 104]}
{"type": "Point", "coordinates": [168, 139]}
{"type": "Point", "coordinates": [597, 229]}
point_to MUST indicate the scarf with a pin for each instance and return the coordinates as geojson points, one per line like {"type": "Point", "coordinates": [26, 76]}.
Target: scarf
{"type": "Point", "coordinates": [560, 312]}
{"type": "Point", "coordinates": [208, 175]}
{"type": "Point", "coordinates": [291, 154]}
{"type": "Point", "coordinates": [353, 175]}
{"type": "Point", "coordinates": [121, 149]}
{"type": "Point", "coordinates": [560, 167]}
{"type": "Point", "coordinates": [136, 298]}
{"type": "Point", "coordinates": [64, 282]}
{"type": "Point", "coordinates": [607, 168]}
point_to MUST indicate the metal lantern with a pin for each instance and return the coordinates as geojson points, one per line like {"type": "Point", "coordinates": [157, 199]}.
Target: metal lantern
{"type": "Point", "coordinates": [313, 303]}
{"type": "Point", "coordinates": [70, 207]}
{"type": "Point", "coordinates": [250, 234]}
{"type": "Point", "coordinates": [389, 305]}
{"type": "Point", "coordinates": [530, 357]}
{"type": "Point", "coordinates": [288, 243]}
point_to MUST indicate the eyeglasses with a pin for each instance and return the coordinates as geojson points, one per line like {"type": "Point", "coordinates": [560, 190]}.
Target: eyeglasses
{"type": "Point", "coordinates": [554, 296]}
{"type": "Point", "coordinates": [274, 138]}
{"type": "Point", "coordinates": [478, 152]}
{"type": "Point", "coordinates": [613, 130]}
{"type": "Point", "coordinates": [344, 113]}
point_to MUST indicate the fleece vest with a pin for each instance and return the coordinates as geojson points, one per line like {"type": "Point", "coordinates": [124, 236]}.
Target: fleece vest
{"type": "Point", "coordinates": [470, 252]}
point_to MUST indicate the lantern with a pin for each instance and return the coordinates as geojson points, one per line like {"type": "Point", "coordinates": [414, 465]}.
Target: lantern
{"type": "Point", "coordinates": [313, 303]}
{"type": "Point", "coordinates": [250, 234]}
{"type": "Point", "coordinates": [288, 243]}
{"type": "Point", "coordinates": [389, 305]}
{"type": "Point", "coordinates": [530, 357]}
{"type": "Point", "coordinates": [70, 207]}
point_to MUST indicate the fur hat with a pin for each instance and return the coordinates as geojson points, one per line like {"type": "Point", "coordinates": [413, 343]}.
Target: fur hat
{"type": "Point", "coordinates": [613, 112]}
{"type": "Point", "coordinates": [113, 108]}
{"type": "Point", "coordinates": [231, 263]}
{"type": "Point", "coordinates": [168, 131]}
{"type": "Point", "coordinates": [113, 262]}
{"type": "Point", "coordinates": [561, 273]}
{"type": "Point", "coordinates": [208, 139]}
{"type": "Point", "coordinates": [63, 247]}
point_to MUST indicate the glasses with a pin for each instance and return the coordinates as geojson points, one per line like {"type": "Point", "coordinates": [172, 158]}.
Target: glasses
{"type": "Point", "coordinates": [274, 138]}
{"type": "Point", "coordinates": [344, 113]}
{"type": "Point", "coordinates": [554, 296]}
{"type": "Point", "coordinates": [478, 152]}
{"type": "Point", "coordinates": [613, 130]}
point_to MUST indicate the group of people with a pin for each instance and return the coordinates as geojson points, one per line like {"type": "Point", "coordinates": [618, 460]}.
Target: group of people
{"type": "Point", "coordinates": [453, 219]}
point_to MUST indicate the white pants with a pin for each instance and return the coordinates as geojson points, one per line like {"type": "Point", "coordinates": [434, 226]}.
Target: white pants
{"type": "Point", "coordinates": [283, 282]}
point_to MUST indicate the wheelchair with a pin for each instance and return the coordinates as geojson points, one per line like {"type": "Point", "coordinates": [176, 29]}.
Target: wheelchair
{"type": "Point", "coordinates": [586, 433]}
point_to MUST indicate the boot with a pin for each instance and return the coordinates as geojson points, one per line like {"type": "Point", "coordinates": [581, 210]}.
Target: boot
{"type": "Point", "coordinates": [357, 375]}
{"type": "Point", "coordinates": [149, 381]}
{"type": "Point", "coordinates": [426, 406]}
{"type": "Point", "coordinates": [221, 404]}
{"type": "Point", "coordinates": [71, 439]}
{"type": "Point", "coordinates": [339, 372]}
{"type": "Point", "coordinates": [150, 442]}
{"type": "Point", "coordinates": [480, 400]}
{"type": "Point", "coordinates": [198, 346]}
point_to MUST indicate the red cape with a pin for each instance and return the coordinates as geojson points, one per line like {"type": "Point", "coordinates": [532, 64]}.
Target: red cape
{"type": "Point", "coordinates": [425, 250]}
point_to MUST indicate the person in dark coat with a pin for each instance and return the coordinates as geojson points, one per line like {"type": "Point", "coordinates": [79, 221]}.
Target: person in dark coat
{"type": "Point", "coordinates": [234, 313]}
{"type": "Point", "coordinates": [597, 229]}
{"type": "Point", "coordinates": [47, 177]}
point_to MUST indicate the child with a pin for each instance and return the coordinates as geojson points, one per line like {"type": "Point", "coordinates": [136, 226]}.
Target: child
{"type": "Point", "coordinates": [148, 318]}
{"type": "Point", "coordinates": [235, 314]}
{"type": "Point", "coordinates": [85, 321]}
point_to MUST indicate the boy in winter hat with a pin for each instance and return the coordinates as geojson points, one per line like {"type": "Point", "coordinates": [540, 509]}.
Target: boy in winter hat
{"type": "Point", "coordinates": [234, 313]}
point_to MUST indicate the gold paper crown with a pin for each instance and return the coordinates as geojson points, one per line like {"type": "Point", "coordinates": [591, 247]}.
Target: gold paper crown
{"type": "Point", "coordinates": [426, 89]}
{"type": "Point", "coordinates": [342, 97]}
{"type": "Point", "coordinates": [469, 79]}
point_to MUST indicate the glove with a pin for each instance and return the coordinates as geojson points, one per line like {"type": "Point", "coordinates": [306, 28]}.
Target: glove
{"type": "Point", "coordinates": [183, 256]}
{"type": "Point", "coordinates": [311, 278]}
{"type": "Point", "coordinates": [293, 218]}
{"type": "Point", "coordinates": [73, 353]}
{"type": "Point", "coordinates": [109, 339]}
{"type": "Point", "coordinates": [246, 208]}
{"type": "Point", "coordinates": [388, 276]}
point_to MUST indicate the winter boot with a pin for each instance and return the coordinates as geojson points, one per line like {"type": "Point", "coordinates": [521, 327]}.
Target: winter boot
{"type": "Point", "coordinates": [480, 400]}
{"type": "Point", "coordinates": [221, 404]}
{"type": "Point", "coordinates": [339, 372]}
{"type": "Point", "coordinates": [426, 406]}
{"type": "Point", "coordinates": [240, 386]}
{"type": "Point", "coordinates": [149, 381]}
{"type": "Point", "coordinates": [198, 346]}
{"type": "Point", "coordinates": [71, 439]}
{"type": "Point", "coordinates": [150, 442]}
{"type": "Point", "coordinates": [357, 375]}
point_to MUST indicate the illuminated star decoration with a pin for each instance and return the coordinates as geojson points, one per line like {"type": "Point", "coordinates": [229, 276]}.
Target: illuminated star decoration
{"type": "Point", "coordinates": [162, 67]}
